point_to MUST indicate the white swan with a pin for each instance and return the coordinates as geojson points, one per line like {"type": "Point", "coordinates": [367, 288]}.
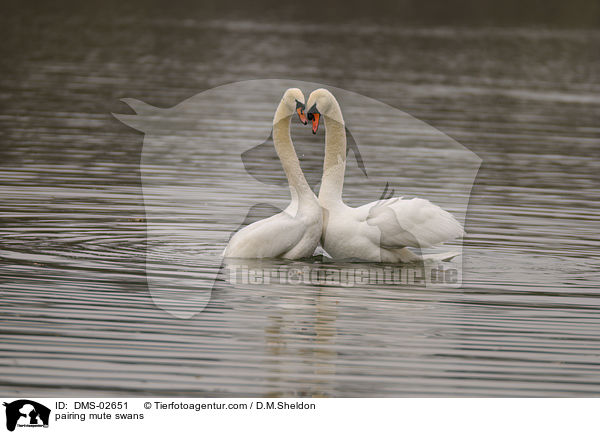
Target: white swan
{"type": "Point", "coordinates": [295, 232]}
{"type": "Point", "coordinates": [379, 231]}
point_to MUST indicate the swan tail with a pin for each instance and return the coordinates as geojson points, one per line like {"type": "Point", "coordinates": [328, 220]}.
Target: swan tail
{"type": "Point", "coordinates": [405, 255]}
{"type": "Point", "coordinates": [444, 257]}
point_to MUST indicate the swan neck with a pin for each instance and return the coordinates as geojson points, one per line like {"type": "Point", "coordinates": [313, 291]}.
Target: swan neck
{"type": "Point", "coordinates": [334, 165]}
{"type": "Point", "coordinates": [282, 140]}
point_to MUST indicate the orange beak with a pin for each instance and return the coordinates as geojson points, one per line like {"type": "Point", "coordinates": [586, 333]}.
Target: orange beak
{"type": "Point", "coordinates": [315, 122]}
{"type": "Point", "coordinates": [301, 115]}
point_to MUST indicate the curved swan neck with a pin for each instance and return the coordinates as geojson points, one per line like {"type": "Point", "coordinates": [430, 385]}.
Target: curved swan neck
{"type": "Point", "coordinates": [334, 166]}
{"type": "Point", "coordinates": [282, 140]}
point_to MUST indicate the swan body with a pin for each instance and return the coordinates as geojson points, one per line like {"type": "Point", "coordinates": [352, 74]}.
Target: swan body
{"type": "Point", "coordinates": [379, 231]}
{"type": "Point", "coordinates": [295, 232]}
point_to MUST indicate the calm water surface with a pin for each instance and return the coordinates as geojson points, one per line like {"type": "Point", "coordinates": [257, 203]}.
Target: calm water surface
{"type": "Point", "coordinates": [77, 318]}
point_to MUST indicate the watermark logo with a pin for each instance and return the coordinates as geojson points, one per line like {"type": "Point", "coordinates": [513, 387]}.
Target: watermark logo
{"type": "Point", "coordinates": [208, 168]}
{"type": "Point", "coordinates": [25, 413]}
{"type": "Point", "coordinates": [421, 274]}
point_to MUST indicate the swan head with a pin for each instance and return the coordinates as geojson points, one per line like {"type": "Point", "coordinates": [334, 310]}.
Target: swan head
{"type": "Point", "coordinates": [322, 103]}
{"type": "Point", "coordinates": [291, 102]}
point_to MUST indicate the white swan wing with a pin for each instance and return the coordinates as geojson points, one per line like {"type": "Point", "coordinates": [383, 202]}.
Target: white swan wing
{"type": "Point", "coordinates": [411, 223]}
{"type": "Point", "coordinates": [268, 238]}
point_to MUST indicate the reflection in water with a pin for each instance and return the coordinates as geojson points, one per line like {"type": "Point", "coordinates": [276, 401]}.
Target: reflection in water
{"type": "Point", "coordinates": [77, 316]}
{"type": "Point", "coordinates": [300, 343]}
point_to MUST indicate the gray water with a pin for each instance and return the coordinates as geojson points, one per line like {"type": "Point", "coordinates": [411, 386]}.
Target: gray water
{"type": "Point", "coordinates": [77, 318]}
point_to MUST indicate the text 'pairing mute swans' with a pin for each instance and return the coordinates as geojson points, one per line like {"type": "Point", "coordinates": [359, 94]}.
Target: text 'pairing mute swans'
{"type": "Point", "coordinates": [199, 190]}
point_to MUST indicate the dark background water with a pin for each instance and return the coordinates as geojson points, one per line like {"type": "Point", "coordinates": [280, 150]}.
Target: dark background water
{"type": "Point", "coordinates": [517, 82]}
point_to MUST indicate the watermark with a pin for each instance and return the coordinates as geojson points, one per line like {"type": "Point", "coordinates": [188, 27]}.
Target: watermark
{"type": "Point", "coordinates": [346, 277]}
{"type": "Point", "coordinates": [209, 168]}
{"type": "Point", "coordinates": [25, 413]}
{"type": "Point", "coordinates": [309, 414]}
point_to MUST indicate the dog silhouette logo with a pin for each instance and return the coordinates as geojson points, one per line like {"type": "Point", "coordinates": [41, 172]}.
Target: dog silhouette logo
{"type": "Point", "coordinates": [26, 413]}
{"type": "Point", "coordinates": [209, 167]}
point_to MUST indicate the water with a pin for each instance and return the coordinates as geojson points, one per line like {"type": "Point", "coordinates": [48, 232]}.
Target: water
{"type": "Point", "coordinates": [77, 315]}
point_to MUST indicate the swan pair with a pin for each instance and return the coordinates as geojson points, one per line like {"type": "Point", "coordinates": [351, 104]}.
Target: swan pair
{"type": "Point", "coordinates": [379, 231]}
